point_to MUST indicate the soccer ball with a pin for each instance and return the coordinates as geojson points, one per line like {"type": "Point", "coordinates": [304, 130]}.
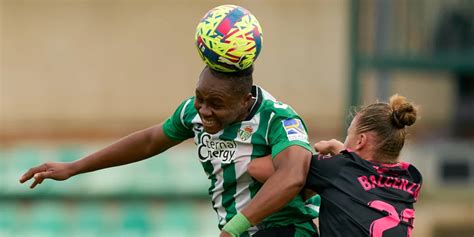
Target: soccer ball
{"type": "Point", "coordinates": [229, 38]}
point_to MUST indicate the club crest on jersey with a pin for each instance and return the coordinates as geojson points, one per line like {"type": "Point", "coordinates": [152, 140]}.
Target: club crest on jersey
{"type": "Point", "coordinates": [245, 133]}
{"type": "Point", "coordinates": [295, 130]}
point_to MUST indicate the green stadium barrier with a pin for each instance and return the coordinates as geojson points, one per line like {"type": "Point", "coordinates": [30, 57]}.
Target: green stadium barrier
{"type": "Point", "coordinates": [106, 218]}
{"type": "Point", "coordinates": [8, 217]}
{"type": "Point", "coordinates": [121, 201]}
{"type": "Point", "coordinates": [174, 220]}
{"type": "Point", "coordinates": [89, 219]}
{"type": "Point", "coordinates": [44, 218]}
{"type": "Point", "coordinates": [174, 173]}
{"type": "Point", "coordinates": [135, 217]}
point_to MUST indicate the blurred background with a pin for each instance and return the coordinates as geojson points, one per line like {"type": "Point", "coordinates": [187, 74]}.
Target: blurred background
{"type": "Point", "coordinates": [78, 74]}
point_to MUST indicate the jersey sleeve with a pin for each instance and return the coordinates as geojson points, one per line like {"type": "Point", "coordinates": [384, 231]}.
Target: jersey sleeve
{"type": "Point", "coordinates": [287, 129]}
{"type": "Point", "coordinates": [323, 170]}
{"type": "Point", "coordinates": [179, 126]}
{"type": "Point", "coordinates": [313, 204]}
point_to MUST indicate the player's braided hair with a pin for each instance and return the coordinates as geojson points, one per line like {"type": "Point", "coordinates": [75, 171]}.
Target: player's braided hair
{"type": "Point", "coordinates": [387, 121]}
{"type": "Point", "coordinates": [242, 81]}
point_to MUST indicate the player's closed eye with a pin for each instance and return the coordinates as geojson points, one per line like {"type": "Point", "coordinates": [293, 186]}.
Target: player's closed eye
{"type": "Point", "coordinates": [216, 105]}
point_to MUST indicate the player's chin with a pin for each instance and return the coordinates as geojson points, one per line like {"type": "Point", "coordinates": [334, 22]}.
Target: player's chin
{"type": "Point", "coordinates": [212, 129]}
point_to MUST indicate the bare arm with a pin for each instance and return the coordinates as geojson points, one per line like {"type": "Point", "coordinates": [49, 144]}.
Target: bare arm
{"type": "Point", "coordinates": [132, 148]}
{"type": "Point", "coordinates": [261, 168]}
{"type": "Point", "coordinates": [291, 167]}
{"type": "Point", "coordinates": [331, 147]}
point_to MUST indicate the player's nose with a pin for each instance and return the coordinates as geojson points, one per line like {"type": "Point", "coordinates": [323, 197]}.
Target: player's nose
{"type": "Point", "coordinates": [205, 111]}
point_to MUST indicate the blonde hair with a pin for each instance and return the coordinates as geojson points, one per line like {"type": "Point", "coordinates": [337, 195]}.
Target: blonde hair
{"type": "Point", "coordinates": [388, 122]}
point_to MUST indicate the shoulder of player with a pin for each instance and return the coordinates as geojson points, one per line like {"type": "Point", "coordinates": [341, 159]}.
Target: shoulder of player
{"type": "Point", "coordinates": [277, 108]}
{"type": "Point", "coordinates": [269, 104]}
{"type": "Point", "coordinates": [188, 104]}
{"type": "Point", "coordinates": [336, 157]}
{"type": "Point", "coordinates": [415, 174]}
{"type": "Point", "coordinates": [277, 112]}
{"type": "Point", "coordinates": [339, 160]}
{"type": "Point", "coordinates": [186, 108]}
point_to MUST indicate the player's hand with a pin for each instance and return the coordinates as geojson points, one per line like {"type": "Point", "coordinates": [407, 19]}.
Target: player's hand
{"type": "Point", "coordinates": [50, 170]}
{"type": "Point", "coordinates": [225, 234]}
{"type": "Point", "coordinates": [331, 147]}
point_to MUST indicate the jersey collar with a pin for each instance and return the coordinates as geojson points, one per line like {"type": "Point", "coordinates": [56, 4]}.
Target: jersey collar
{"type": "Point", "coordinates": [257, 95]}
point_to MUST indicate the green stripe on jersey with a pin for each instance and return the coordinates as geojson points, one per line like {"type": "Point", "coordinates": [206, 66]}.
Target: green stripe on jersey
{"type": "Point", "coordinates": [260, 150]}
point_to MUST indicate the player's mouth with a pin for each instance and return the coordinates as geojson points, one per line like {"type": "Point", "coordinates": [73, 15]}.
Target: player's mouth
{"type": "Point", "coordinates": [208, 122]}
{"type": "Point", "coordinates": [210, 125]}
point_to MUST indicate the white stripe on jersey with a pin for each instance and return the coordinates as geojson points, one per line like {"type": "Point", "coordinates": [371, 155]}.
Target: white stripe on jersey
{"type": "Point", "coordinates": [268, 96]}
{"type": "Point", "coordinates": [217, 171]}
{"type": "Point", "coordinates": [268, 127]}
{"type": "Point", "coordinates": [313, 207]}
{"type": "Point", "coordinates": [217, 191]}
{"type": "Point", "coordinates": [218, 186]}
{"type": "Point", "coordinates": [243, 196]}
{"type": "Point", "coordinates": [181, 116]}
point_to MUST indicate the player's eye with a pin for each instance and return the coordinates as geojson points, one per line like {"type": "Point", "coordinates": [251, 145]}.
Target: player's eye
{"type": "Point", "coordinates": [216, 106]}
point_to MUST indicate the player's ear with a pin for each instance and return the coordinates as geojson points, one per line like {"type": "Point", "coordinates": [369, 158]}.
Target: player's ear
{"type": "Point", "coordinates": [361, 141]}
{"type": "Point", "coordinates": [247, 99]}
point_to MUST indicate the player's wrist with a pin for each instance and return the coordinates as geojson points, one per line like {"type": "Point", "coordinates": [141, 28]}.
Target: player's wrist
{"type": "Point", "coordinates": [74, 168]}
{"type": "Point", "coordinates": [335, 146]}
{"type": "Point", "coordinates": [237, 225]}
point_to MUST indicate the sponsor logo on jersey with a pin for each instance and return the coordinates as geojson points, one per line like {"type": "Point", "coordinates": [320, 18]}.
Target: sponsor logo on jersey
{"type": "Point", "coordinates": [216, 149]}
{"type": "Point", "coordinates": [295, 130]}
{"type": "Point", "coordinates": [245, 133]}
{"type": "Point", "coordinates": [198, 128]}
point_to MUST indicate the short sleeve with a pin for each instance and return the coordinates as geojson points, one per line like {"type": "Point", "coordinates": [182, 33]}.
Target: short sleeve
{"type": "Point", "coordinates": [287, 131]}
{"type": "Point", "coordinates": [179, 126]}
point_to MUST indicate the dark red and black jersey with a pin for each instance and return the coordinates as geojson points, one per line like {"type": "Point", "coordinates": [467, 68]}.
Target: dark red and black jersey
{"type": "Point", "coordinates": [361, 198]}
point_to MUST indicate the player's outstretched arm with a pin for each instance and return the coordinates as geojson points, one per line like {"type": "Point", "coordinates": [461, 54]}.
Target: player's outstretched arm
{"type": "Point", "coordinates": [134, 147]}
{"type": "Point", "coordinates": [291, 167]}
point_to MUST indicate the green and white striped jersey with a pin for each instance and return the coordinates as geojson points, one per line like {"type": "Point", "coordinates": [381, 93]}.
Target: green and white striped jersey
{"type": "Point", "coordinates": [270, 128]}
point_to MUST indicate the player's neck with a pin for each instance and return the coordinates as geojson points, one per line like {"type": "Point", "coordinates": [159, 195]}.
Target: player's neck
{"type": "Point", "coordinates": [248, 110]}
{"type": "Point", "coordinates": [382, 160]}
{"type": "Point", "coordinates": [251, 105]}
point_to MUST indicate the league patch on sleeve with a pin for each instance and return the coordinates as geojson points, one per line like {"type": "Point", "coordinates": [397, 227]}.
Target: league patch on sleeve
{"type": "Point", "coordinates": [295, 130]}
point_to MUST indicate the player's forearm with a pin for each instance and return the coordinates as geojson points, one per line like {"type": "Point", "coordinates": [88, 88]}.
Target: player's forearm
{"type": "Point", "coordinates": [287, 181]}
{"type": "Point", "coordinates": [124, 151]}
{"type": "Point", "coordinates": [132, 148]}
{"type": "Point", "coordinates": [275, 195]}
{"type": "Point", "coordinates": [127, 150]}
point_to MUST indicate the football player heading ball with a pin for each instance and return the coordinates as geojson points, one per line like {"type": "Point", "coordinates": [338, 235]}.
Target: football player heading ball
{"type": "Point", "coordinates": [232, 122]}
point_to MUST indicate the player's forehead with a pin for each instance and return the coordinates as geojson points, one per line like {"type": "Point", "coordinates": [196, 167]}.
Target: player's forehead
{"type": "Point", "coordinates": [210, 86]}
{"type": "Point", "coordinates": [353, 124]}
